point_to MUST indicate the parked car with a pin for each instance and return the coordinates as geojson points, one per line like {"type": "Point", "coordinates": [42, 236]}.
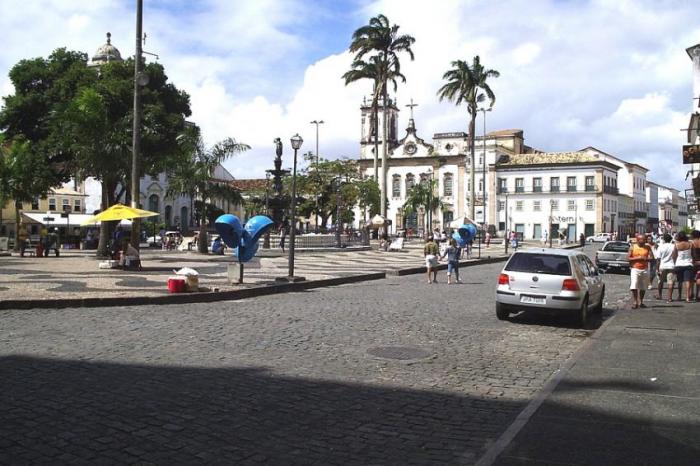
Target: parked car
{"type": "Point", "coordinates": [599, 238]}
{"type": "Point", "coordinates": [613, 255]}
{"type": "Point", "coordinates": [550, 280]}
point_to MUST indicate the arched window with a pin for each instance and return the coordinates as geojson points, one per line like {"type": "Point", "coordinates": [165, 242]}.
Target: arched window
{"type": "Point", "coordinates": [447, 184]}
{"type": "Point", "coordinates": [410, 182]}
{"type": "Point", "coordinates": [168, 215]}
{"type": "Point", "coordinates": [396, 186]}
{"type": "Point", "coordinates": [184, 218]}
{"type": "Point", "coordinates": [153, 203]}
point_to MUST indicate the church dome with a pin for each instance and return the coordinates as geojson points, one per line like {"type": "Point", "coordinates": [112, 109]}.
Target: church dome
{"type": "Point", "coordinates": [106, 53]}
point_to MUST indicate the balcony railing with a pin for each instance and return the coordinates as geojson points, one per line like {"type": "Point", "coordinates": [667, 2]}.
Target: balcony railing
{"type": "Point", "coordinates": [640, 214]}
{"type": "Point", "coordinates": [611, 190]}
{"type": "Point", "coordinates": [520, 189]}
{"type": "Point", "coordinates": [591, 188]}
{"type": "Point", "coordinates": [571, 189]}
{"type": "Point", "coordinates": [502, 190]}
{"type": "Point", "coordinates": [554, 189]}
{"type": "Point", "coordinates": [537, 189]}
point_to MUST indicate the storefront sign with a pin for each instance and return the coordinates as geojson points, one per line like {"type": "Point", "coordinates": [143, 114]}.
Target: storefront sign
{"type": "Point", "coordinates": [561, 219]}
{"type": "Point", "coordinates": [691, 153]}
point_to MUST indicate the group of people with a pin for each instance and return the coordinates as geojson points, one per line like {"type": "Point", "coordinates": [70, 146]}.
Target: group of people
{"type": "Point", "coordinates": [671, 260]}
{"type": "Point", "coordinates": [432, 254]}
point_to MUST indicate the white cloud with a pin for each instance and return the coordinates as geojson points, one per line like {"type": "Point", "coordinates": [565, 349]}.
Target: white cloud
{"type": "Point", "coordinates": [612, 74]}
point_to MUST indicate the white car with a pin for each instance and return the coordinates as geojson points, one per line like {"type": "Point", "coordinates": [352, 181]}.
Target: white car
{"type": "Point", "coordinates": [599, 238]}
{"type": "Point", "coordinates": [560, 280]}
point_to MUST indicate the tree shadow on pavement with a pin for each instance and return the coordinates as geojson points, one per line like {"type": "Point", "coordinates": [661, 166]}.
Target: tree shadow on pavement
{"type": "Point", "coordinates": [82, 412]}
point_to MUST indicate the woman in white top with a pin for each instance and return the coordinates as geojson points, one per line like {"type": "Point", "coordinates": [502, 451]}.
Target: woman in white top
{"type": "Point", "coordinates": [685, 272]}
{"type": "Point", "coordinates": [666, 265]}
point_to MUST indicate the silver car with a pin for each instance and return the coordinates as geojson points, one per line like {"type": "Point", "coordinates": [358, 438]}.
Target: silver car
{"type": "Point", "coordinates": [550, 280]}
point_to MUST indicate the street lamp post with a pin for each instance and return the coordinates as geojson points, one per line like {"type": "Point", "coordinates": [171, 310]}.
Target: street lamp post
{"type": "Point", "coordinates": [483, 170]}
{"type": "Point", "coordinates": [551, 221]}
{"type": "Point", "coordinates": [296, 145]}
{"type": "Point", "coordinates": [430, 201]}
{"type": "Point", "coordinates": [317, 122]}
{"type": "Point", "coordinates": [266, 239]}
{"type": "Point", "coordinates": [136, 136]}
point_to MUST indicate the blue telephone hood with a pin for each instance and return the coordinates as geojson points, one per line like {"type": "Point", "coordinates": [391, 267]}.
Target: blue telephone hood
{"type": "Point", "coordinates": [242, 239]}
{"type": "Point", "coordinates": [230, 229]}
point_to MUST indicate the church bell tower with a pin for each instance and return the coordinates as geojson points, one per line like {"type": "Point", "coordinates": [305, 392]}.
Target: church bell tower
{"type": "Point", "coordinates": [369, 129]}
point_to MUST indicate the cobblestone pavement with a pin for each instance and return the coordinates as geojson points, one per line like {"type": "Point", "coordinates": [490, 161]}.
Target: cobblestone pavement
{"type": "Point", "coordinates": [284, 379]}
{"type": "Point", "coordinates": [76, 274]}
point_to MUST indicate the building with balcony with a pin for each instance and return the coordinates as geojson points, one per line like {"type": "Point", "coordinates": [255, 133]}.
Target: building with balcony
{"type": "Point", "coordinates": [557, 192]}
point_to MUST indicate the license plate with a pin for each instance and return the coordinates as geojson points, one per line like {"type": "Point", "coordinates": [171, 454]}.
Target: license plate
{"type": "Point", "coordinates": [532, 300]}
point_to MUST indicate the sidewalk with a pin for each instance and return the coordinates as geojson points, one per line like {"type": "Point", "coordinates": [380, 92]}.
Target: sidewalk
{"type": "Point", "coordinates": [632, 397]}
{"type": "Point", "coordinates": [75, 274]}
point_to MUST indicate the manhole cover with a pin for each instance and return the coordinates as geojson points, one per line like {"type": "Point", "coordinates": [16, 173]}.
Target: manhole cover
{"type": "Point", "coordinates": [402, 353]}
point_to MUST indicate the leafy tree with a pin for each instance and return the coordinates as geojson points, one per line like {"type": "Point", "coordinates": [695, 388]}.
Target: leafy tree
{"type": "Point", "coordinates": [23, 175]}
{"type": "Point", "coordinates": [80, 119]}
{"type": "Point", "coordinates": [380, 41]}
{"type": "Point", "coordinates": [368, 197]}
{"type": "Point", "coordinates": [193, 173]}
{"type": "Point", "coordinates": [464, 83]}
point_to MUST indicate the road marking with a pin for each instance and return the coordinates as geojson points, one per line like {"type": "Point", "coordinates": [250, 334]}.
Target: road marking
{"type": "Point", "coordinates": [499, 446]}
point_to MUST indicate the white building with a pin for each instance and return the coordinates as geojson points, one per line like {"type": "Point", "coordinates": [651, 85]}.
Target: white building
{"type": "Point", "coordinates": [562, 193]}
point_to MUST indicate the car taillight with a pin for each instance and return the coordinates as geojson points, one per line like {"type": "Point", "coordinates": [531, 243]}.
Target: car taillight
{"type": "Point", "coordinates": [503, 279]}
{"type": "Point", "coordinates": [570, 284]}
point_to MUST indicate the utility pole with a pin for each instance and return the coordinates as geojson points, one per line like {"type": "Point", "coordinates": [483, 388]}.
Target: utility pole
{"type": "Point", "coordinates": [136, 141]}
{"type": "Point", "coordinates": [483, 170]}
{"type": "Point", "coordinates": [505, 235]}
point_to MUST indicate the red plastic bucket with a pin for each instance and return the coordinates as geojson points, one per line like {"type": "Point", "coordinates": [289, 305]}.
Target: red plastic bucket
{"type": "Point", "coordinates": [177, 285]}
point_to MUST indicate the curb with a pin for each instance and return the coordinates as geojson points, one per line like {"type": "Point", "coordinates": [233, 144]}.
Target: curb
{"type": "Point", "coordinates": [500, 445]}
{"type": "Point", "coordinates": [469, 263]}
{"type": "Point", "coordinates": [186, 298]}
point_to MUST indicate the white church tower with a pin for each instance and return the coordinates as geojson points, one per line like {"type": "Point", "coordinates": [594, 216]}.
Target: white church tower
{"type": "Point", "coordinates": [369, 130]}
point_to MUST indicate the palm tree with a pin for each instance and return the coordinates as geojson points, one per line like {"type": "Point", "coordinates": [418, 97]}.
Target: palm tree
{"type": "Point", "coordinates": [422, 195]}
{"type": "Point", "coordinates": [368, 70]}
{"type": "Point", "coordinates": [380, 40]}
{"type": "Point", "coordinates": [463, 85]}
{"type": "Point", "coordinates": [194, 174]}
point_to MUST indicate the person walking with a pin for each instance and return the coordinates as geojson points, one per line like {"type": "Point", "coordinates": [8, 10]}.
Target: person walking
{"type": "Point", "coordinates": [639, 256]}
{"type": "Point", "coordinates": [431, 251]}
{"type": "Point", "coordinates": [685, 272]}
{"type": "Point", "coordinates": [452, 252]}
{"type": "Point", "coordinates": [582, 240]}
{"type": "Point", "coordinates": [695, 254]}
{"type": "Point", "coordinates": [665, 254]}
{"type": "Point", "coordinates": [283, 236]}
{"type": "Point", "coordinates": [653, 263]}
{"type": "Point", "coordinates": [488, 239]}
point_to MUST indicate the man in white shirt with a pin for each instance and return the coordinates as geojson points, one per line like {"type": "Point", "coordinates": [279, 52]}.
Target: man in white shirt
{"type": "Point", "coordinates": [666, 264]}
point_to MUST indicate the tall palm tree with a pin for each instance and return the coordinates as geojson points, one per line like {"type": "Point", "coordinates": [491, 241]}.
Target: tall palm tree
{"type": "Point", "coordinates": [194, 174]}
{"type": "Point", "coordinates": [368, 70]}
{"type": "Point", "coordinates": [463, 84]}
{"type": "Point", "coordinates": [380, 40]}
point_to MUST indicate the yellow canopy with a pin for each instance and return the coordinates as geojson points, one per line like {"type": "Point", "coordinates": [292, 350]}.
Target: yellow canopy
{"type": "Point", "coordinates": [120, 212]}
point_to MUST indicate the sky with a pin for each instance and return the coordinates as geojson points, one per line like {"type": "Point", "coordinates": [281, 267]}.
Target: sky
{"type": "Point", "coordinates": [612, 74]}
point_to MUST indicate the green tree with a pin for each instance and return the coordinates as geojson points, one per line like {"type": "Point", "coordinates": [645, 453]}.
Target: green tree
{"type": "Point", "coordinates": [422, 195]}
{"type": "Point", "coordinates": [380, 41]}
{"type": "Point", "coordinates": [194, 173]}
{"type": "Point", "coordinates": [368, 197]}
{"type": "Point", "coordinates": [23, 176]}
{"type": "Point", "coordinates": [464, 83]}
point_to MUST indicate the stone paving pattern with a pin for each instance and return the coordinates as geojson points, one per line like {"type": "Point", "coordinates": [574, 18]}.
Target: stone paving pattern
{"type": "Point", "coordinates": [283, 379]}
{"type": "Point", "coordinates": [76, 274]}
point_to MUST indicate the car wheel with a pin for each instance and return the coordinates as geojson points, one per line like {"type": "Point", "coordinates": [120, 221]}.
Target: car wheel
{"type": "Point", "coordinates": [598, 309]}
{"type": "Point", "coordinates": [582, 317]}
{"type": "Point", "coordinates": [501, 312]}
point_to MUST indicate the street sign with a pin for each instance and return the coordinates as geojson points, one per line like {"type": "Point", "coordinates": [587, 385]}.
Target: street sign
{"type": "Point", "coordinates": [691, 153]}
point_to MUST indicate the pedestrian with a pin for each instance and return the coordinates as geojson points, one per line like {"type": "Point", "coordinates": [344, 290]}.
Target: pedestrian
{"type": "Point", "coordinates": [218, 246]}
{"type": "Point", "coordinates": [431, 251]}
{"type": "Point", "coordinates": [685, 272]}
{"type": "Point", "coordinates": [582, 240]}
{"type": "Point", "coordinates": [665, 254]}
{"type": "Point", "coordinates": [695, 254]}
{"type": "Point", "coordinates": [639, 256]}
{"type": "Point", "coordinates": [544, 238]}
{"type": "Point", "coordinates": [488, 239]}
{"type": "Point", "coordinates": [653, 263]}
{"type": "Point", "coordinates": [514, 241]}
{"type": "Point", "coordinates": [452, 252]}
{"type": "Point", "coordinates": [283, 236]}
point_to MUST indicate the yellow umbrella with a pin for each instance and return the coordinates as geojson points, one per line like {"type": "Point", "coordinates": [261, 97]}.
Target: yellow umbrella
{"type": "Point", "coordinates": [120, 212]}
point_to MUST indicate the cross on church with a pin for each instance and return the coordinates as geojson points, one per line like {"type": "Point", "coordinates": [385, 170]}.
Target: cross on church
{"type": "Point", "coordinates": [411, 105]}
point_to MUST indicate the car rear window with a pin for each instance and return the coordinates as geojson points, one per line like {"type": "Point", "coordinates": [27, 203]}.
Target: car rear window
{"type": "Point", "coordinates": [539, 263]}
{"type": "Point", "coordinates": [616, 247]}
